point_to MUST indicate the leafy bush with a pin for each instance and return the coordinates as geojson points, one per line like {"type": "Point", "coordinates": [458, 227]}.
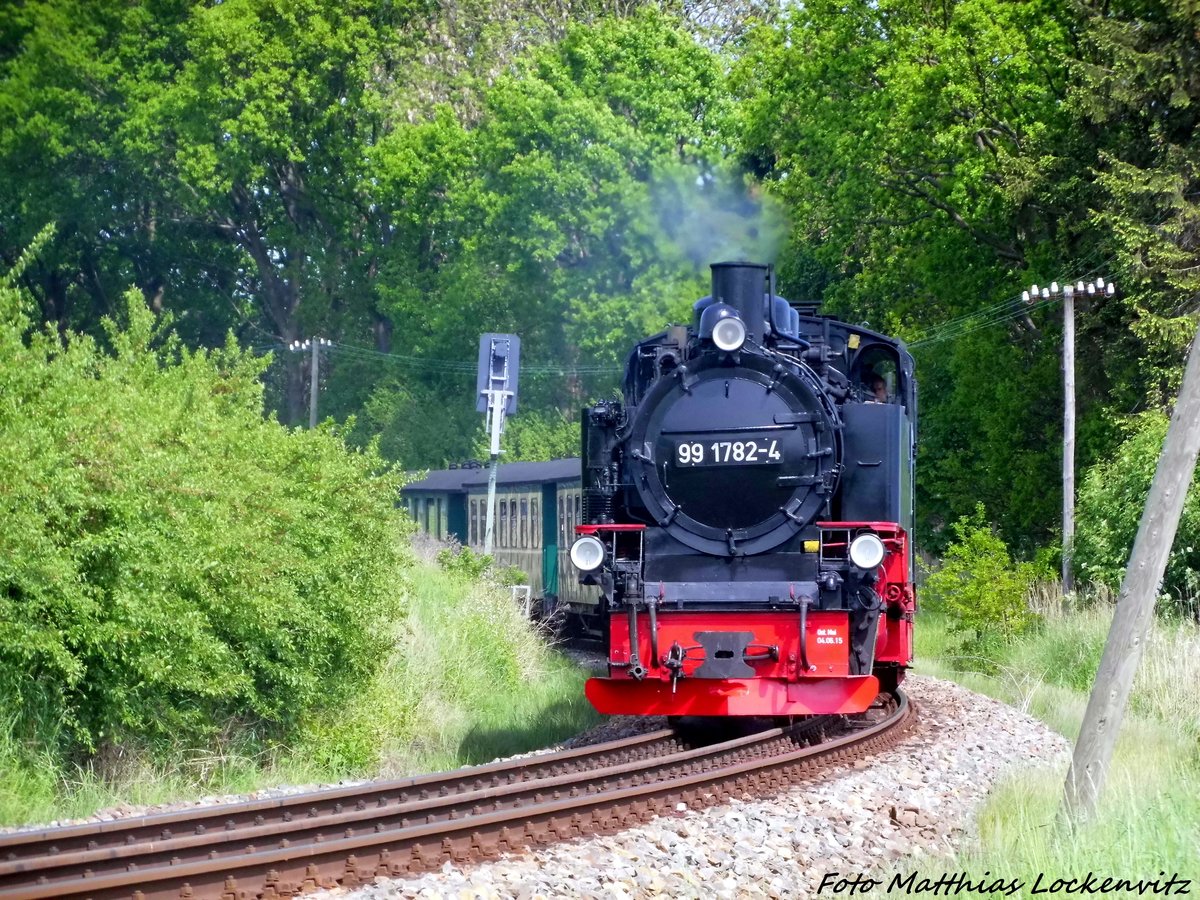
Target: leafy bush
{"type": "Point", "coordinates": [464, 561]}
{"type": "Point", "coordinates": [171, 563]}
{"type": "Point", "coordinates": [1111, 500]}
{"type": "Point", "coordinates": [980, 587]}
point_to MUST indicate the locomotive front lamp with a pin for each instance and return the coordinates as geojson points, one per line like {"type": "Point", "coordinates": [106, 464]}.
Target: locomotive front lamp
{"type": "Point", "coordinates": [729, 334]}
{"type": "Point", "coordinates": [866, 551]}
{"type": "Point", "coordinates": [587, 553]}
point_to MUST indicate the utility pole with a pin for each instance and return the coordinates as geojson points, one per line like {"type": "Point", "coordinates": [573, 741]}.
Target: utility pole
{"type": "Point", "coordinates": [1068, 464]}
{"type": "Point", "coordinates": [1135, 603]}
{"type": "Point", "coordinates": [496, 395]}
{"type": "Point", "coordinates": [315, 345]}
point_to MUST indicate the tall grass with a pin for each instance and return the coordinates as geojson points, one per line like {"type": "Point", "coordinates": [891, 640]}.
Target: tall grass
{"type": "Point", "coordinates": [1149, 818]}
{"type": "Point", "coordinates": [467, 679]}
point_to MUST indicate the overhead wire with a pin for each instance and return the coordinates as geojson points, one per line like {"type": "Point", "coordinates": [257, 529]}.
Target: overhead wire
{"type": "Point", "coordinates": [442, 366]}
{"type": "Point", "coordinates": [1004, 311]}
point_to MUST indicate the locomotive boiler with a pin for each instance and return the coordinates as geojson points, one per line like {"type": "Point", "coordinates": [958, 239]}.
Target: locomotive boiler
{"type": "Point", "coordinates": [748, 509]}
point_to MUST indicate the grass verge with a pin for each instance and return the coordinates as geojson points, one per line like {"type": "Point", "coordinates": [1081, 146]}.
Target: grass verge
{"type": "Point", "coordinates": [1149, 819]}
{"type": "Point", "coordinates": [467, 680]}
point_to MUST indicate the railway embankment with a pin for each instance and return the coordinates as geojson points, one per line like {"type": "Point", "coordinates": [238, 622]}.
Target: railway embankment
{"type": "Point", "coordinates": [912, 801]}
{"type": "Point", "coordinates": [1149, 819]}
{"type": "Point", "coordinates": [974, 790]}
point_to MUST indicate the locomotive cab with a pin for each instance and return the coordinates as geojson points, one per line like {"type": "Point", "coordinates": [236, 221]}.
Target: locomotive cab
{"type": "Point", "coordinates": [747, 512]}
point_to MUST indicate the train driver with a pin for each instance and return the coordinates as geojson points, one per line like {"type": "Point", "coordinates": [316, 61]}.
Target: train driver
{"type": "Point", "coordinates": [878, 388]}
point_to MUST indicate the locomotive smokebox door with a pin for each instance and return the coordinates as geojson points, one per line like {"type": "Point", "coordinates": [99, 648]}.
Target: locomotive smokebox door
{"type": "Point", "coordinates": [753, 431]}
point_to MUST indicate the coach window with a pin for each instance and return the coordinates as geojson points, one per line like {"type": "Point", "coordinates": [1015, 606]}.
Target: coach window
{"type": "Point", "coordinates": [473, 523]}
{"type": "Point", "coordinates": [512, 523]}
{"type": "Point", "coordinates": [562, 523]}
{"type": "Point", "coordinates": [524, 523]}
{"type": "Point", "coordinates": [535, 532]}
{"type": "Point", "coordinates": [503, 541]}
{"type": "Point", "coordinates": [578, 511]}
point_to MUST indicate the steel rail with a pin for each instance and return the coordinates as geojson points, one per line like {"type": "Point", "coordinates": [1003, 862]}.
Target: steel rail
{"type": "Point", "coordinates": [18, 846]}
{"type": "Point", "coordinates": [558, 807]}
{"type": "Point", "coordinates": [442, 808]}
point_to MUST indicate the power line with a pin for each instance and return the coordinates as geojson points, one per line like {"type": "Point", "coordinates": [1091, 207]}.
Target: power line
{"type": "Point", "coordinates": [448, 366]}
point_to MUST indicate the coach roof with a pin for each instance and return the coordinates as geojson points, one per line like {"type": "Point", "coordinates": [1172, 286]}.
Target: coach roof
{"type": "Point", "coordinates": [456, 480]}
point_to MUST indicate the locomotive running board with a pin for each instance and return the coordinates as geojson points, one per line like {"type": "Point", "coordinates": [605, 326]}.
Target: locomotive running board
{"type": "Point", "coordinates": [732, 696]}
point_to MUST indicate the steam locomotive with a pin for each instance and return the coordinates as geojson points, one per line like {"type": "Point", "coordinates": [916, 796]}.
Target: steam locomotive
{"type": "Point", "coordinates": [747, 512]}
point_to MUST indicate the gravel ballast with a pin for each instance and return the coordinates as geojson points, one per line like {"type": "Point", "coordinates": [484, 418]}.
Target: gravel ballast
{"type": "Point", "coordinates": [917, 799]}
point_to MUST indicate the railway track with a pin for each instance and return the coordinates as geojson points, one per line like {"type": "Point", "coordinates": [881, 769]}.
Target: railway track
{"type": "Point", "coordinates": [284, 846]}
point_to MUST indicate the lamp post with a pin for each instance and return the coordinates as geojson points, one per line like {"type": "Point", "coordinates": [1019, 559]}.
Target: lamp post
{"type": "Point", "coordinates": [1068, 292]}
{"type": "Point", "coordinates": [314, 344]}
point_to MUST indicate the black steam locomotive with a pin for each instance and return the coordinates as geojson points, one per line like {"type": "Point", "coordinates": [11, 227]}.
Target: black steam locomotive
{"type": "Point", "coordinates": [747, 510]}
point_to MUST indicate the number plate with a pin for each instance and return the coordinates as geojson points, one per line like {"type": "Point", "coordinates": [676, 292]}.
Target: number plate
{"type": "Point", "coordinates": [747, 452]}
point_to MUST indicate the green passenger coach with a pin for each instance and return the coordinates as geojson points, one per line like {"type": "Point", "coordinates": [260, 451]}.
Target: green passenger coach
{"type": "Point", "coordinates": [538, 505]}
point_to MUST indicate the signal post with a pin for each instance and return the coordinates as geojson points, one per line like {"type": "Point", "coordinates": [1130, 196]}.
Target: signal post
{"type": "Point", "coordinates": [496, 397]}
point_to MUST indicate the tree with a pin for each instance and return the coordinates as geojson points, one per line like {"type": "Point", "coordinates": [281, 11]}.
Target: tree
{"type": "Point", "coordinates": [72, 78]}
{"type": "Point", "coordinates": [1136, 89]}
{"type": "Point", "coordinates": [266, 129]}
{"type": "Point", "coordinates": [543, 217]}
{"type": "Point", "coordinates": [928, 159]}
{"type": "Point", "coordinates": [1111, 499]}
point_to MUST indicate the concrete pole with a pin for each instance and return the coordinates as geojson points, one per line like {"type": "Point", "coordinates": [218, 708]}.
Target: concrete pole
{"type": "Point", "coordinates": [1135, 603]}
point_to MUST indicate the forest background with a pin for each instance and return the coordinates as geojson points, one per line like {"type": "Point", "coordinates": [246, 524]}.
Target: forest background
{"type": "Point", "coordinates": [399, 176]}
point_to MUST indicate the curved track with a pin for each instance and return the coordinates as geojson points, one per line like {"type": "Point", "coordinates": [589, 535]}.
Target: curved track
{"type": "Point", "coordinates": [284, 846]}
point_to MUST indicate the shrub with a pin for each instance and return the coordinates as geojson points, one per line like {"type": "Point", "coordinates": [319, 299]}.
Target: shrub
{"type": "Point", "coordinates": [1111, 500]}
{"type": "Point", "coordinates": [171, 563]}
{"type": "Point", "coordinates": [463, 561]}
{"type": "Point", "coordinates": [979, 586]}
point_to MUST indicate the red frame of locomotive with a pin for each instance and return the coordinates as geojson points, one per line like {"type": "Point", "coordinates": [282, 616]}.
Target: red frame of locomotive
{"type": "Point", "coordinates": [778, 687]}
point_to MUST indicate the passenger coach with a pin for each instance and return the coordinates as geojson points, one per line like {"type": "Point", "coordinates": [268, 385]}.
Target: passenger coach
{"type": "Point", "coordinates": [538, 506]}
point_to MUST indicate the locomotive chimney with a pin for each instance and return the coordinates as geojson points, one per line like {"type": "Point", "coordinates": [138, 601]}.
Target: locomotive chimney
{"type": "Point", "coordinates": [743, 286]}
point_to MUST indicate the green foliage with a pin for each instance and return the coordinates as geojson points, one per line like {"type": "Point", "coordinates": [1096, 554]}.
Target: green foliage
{"type": "Point", "coordinates": [537, 437]}
{"type": "Point", "coordinates": [1111, 500]}
{"type": "Point", "coordinates": [464, 562]}
{"type": "Point", "coordinates": [979, 587]}
{"type": "Point", "coordinates": [1136, 92]}
{"type": "Point", "coordinates": [169, 562]}
{"type": "Point", "coordinates": [464, 678]}
{"type": "Point", "coordinates": [928, 163]}
{"type": "Point", "coordinates": [404, 176]}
